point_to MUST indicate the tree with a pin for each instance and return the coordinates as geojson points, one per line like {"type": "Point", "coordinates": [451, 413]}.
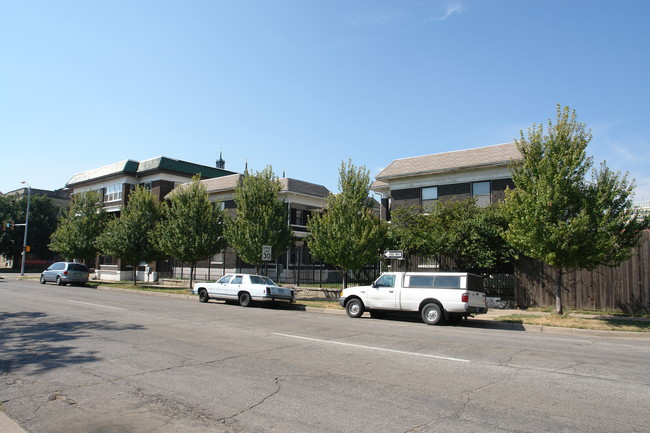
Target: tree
{"type": "Point", "coordinates": [347, 234]}
{"type": "Point", "coordinates": [261, 219]}
{"type": "Point", "coordinates": [469, 235]}
{"type": "Point", "coordinates": [193, 226]}
{"type": "Point", "coordinates": [130, 237]}
{"type": "Point", "coordinates": [78, 231]}
{"type": "Point", "coordinates": [409, 231]}
{"type": "Point", "coordinates": [43, 215]}
{"type": "Point", "coordinates": [560, 216]}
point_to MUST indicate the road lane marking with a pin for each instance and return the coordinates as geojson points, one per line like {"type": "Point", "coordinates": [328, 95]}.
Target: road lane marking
{"type": "Point", "coordinates": [379, 349]}
{"type": "Point", "coordinates": [97, 305]}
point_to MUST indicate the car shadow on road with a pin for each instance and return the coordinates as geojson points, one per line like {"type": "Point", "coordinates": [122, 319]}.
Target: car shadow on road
{"type": "Point", "coordinates": [465, 323]}
{"type": "Point", "coordinates": [38, 342]}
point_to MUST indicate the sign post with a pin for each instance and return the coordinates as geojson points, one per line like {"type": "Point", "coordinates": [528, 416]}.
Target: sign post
{"type": "Point", "coordinates": [394, 254]}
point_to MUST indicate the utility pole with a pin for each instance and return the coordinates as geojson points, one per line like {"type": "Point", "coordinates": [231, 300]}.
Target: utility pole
{"type": "Point", "coordinates": [29, 193]}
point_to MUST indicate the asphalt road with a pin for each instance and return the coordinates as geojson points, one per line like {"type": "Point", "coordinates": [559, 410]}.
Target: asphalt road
{"type": "Point", "coordinates": [84, 360]}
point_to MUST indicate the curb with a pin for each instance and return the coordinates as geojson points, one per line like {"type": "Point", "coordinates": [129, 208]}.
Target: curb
{"type": "Point", "coordinates": [8, 425]}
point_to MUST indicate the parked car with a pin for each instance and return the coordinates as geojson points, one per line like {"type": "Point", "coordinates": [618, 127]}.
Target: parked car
{"type": "Point", "coordinates": [243, 288]}
{"type": "Point", "coordinates": [63, 273]}
{"type": "Point", "coordinates": [437, 296]}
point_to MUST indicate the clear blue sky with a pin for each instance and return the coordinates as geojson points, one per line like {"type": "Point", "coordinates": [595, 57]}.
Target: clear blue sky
{"type": "Point", "coordinates": [303, 85]}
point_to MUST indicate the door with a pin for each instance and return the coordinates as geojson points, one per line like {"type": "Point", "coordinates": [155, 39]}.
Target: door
{"type": "Point", "coordinates": [383, 294]}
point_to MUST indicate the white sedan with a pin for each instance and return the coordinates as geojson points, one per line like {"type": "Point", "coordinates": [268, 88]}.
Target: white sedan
{"type": "Point", "coordinates": [243, 288]}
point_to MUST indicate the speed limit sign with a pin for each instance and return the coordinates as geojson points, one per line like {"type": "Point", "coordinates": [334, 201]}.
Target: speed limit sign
{"type": "Point", "coordinates": [266, 253]}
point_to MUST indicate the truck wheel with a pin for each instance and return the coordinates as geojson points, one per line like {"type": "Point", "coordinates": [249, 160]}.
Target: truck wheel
{"type": "Point", "coordinates": [203, 295]}
{"type": "Point", "coordinates": [354, 308]}
{"type": "Point", "coordinates": [432, 314]}
{"type": "Point", "coordinates": [245, 299]}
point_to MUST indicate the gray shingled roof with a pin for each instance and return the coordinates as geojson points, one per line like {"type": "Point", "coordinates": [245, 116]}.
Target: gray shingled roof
{"type": "Point", "coordinates": [223, 183]}
{"type": "Point", "coordinates": [302, 187]}
{"type": "Point", "coordinates": [500, 154]}
{"type": "Point", "coordinates": [229, 183]}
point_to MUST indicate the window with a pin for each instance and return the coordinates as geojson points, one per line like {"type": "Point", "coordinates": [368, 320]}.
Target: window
{"type": "Point", "coordinates": [113, 192]}
{"type": "Point", "coordinates": [237, 280]}
{"type": "Point", "coordinates": [481, 192]}
{"type": "Point", "coordinates": [420, 281]}
{"type": "Point", "coordinates": [448, 282]}
{"type": "Point", "coordinates": [299, 217]}
{"type": "Point", "coordinates": [225, 279]}
{"type": "Point", "coordinates": [217, 258]}
{"type": "Point", "coordinates": [429, 195]}
{"type": "Point", "coordinates": [385, 281]}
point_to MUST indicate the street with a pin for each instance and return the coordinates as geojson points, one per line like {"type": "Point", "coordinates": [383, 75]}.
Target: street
{"type": "Point", "coordinates": [77, 359]}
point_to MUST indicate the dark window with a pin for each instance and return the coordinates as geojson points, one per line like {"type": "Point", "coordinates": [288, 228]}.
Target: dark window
{"type": "Point", "coordinates": [475, 283]}
{"type": "Point", "coordinates": [447, 282]}
{"type": "Point", "coordinates": [420, 281]}
{"type": "Point", "coordinates": [77, 267]}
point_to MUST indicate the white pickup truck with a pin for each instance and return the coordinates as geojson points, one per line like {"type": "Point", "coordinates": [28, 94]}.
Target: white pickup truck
{"type": "Point", "coordinates": [243, 288]}
{"type": "Point", "coordinates": [437, 296]}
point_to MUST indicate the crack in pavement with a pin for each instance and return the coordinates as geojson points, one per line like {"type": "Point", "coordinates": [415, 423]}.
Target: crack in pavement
{"type": "Point", "coordinates": [230, 419]}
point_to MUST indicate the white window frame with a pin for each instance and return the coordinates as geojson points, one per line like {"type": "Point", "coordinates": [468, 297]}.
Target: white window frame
{"type": "Point", "coordinates": [113, 193]}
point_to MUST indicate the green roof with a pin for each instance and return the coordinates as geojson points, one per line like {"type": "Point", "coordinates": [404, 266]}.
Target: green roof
{"type": "Point", "coordinates": [160, 163]}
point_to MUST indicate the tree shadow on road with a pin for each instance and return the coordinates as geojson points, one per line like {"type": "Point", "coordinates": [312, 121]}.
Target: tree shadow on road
{"type": "Point", "coordinates": [34, 341]}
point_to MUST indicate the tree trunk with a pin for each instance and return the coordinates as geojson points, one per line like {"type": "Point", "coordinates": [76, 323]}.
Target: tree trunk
{"type": "Point", "coordinates": [192, 266]}
{"type": "Point", "coordinates": [135, 275]}
{"type": "Point", "coordinates": [558, 292]}
{"type": "Point", "coordinates": [345, 279]}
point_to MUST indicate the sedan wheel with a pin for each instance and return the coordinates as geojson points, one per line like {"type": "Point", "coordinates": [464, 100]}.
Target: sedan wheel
{"type": "Point", "coordinates": [245, 299]}
{"type": "Point", "coordinates": [203, 295]}
{"type": "Point", "coordinates": [42, 279]}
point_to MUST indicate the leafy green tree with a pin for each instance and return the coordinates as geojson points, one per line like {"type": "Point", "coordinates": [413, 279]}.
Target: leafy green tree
{"type": "Point", "coordinates": [409, 231]}
{"type": "Point", "coordinates": [193, 226]}
{"type": "Point", "coordinates": [43, 215]}
{"type": "Point", "coordinates": [348, 234]}
{"type": "Point", "coordinates": [261, 218]}
{"type": "Point", "coordinates": [563, 217]}
{"type": "Point", "coordinates": [131, 236]}
{"type": "Point", "coordinates": [469, 235]}
{"type": "Point", "coordinates": [79, 230]}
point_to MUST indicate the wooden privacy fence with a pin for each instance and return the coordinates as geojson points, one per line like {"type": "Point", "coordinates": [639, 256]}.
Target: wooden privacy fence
{"type": "Point", "coordinates": [625, 287]}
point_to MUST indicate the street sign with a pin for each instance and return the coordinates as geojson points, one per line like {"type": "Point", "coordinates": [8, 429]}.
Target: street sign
{"type": "Point", "coordinates": [394, 254]}
{"type": "Point", "coordinates": [266, 253]}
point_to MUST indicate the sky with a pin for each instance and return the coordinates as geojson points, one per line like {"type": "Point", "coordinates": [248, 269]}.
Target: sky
{"type": "Point", "coordinates": [304, 85]}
